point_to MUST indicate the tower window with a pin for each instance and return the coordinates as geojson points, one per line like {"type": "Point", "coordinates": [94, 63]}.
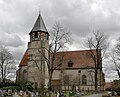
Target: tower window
{"type": "Point", "coordinates": [33, 36]}
{"type": "Point", "coordinates": [47, 37]}
{"type": "Point", "coordinates": [36, 34]}
{"type": "Point", "coordinates": [30, 57]}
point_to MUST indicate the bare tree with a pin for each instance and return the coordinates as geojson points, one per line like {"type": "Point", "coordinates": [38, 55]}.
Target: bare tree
{"type": "Point", "coordinates": [116, 61]}
{"type": "Point", "coordinates": [59, 38]}
{"type": "Point", "coordinates": [66, 81]}
{"type": "Point", "coordinates": [6, 63]}
{"type": "Point", "coordinates": [97, 45]}
{"type": "Point", "coordinates": [116, 57]}
{"type": "Point", "coordinates": [70, 81]}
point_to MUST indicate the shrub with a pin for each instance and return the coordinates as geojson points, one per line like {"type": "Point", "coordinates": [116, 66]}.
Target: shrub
{"type": "Point", "coordinates": [17, 86]}
{"type": "Point", "coordinates": [26, 85]}
{"type": "Point", "coordinates": [7, 84]}
{"type": "Point", "coordinates": [11, 88]}
{"type": "Point", "coordinates": [117, 90]}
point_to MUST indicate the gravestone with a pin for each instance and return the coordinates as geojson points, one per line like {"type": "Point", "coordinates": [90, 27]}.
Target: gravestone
{"type": "Point", "coordinates": [15, 94]}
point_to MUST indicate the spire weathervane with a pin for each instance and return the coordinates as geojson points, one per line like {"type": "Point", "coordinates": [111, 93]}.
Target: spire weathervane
{"type": "Point", "coordinates": [39, 11]}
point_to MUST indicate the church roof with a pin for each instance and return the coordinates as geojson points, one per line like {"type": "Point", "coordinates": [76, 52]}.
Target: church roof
{"type": "Point", "coordinates": [39, 25]}
{"type": "Point", "coordinates": [79, 59]}
{"type": "Point", "coordinates": [108, 85]}
{"type": "Point", "coordinates": [24, 60]}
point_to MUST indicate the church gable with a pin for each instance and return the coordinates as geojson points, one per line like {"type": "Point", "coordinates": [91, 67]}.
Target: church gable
{"type": "Point", "coordinates": [24, 60]}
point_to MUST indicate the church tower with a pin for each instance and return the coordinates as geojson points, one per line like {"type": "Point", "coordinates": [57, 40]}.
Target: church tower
{"type": "Point", "coordinates": [37, 71]}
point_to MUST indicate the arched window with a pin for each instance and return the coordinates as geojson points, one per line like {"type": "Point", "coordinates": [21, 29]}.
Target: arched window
{"type": "Point", "coordinates": [84, 79]}
{"type": "Point", "coordinates": [24, 74]}
{"type": "Point", "coordinates": [66, 80]}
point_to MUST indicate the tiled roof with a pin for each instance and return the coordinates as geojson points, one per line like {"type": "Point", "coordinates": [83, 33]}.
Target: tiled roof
{"type": "Point", "coordinates": [79, 59]}
{"type": "Point", "coordinates": [108, 85]}
{"type": "Point", "coordinates": [24, 59]}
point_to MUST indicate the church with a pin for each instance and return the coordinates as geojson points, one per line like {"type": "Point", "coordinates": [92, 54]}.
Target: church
{"type": "Point", "coordinates": [76, 71]}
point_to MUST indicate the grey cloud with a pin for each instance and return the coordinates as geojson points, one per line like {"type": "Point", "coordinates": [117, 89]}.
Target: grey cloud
{"type": "Point", "coordinates": [18, 52]}
{"type": "Point", "coordinates": [83, 19]}
{"type": "Point", "coordinates": [11, 40]}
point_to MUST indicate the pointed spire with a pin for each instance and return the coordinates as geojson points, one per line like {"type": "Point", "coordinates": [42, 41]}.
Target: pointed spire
{"type": "Point", "coordinates": [39, 25]}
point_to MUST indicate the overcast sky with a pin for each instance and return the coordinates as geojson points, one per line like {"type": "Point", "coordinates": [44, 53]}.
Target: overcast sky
{"type": "Point", "coordinates": [17, 18]}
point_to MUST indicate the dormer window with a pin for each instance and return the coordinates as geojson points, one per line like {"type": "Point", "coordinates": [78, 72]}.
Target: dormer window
{"type": "Point", "coordinates": [70, 63]}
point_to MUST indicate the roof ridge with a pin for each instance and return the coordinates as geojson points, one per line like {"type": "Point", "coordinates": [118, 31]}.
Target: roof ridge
{"type": "Point", "coordinates": [75, 51]}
